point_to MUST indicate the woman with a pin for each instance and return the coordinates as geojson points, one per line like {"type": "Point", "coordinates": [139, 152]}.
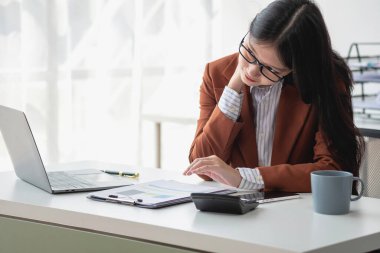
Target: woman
{"type": "Point", "coordinates": [279, 109]}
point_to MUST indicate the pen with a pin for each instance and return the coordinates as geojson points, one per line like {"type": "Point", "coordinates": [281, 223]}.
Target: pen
{"type": "Point", "coordinates": [121, 173]}
{"type": "Point", "coordinates": [116, 197]}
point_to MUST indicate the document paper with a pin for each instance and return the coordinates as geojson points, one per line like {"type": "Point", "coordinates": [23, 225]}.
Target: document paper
{"type": "Point", "coordinates": [155, 194]}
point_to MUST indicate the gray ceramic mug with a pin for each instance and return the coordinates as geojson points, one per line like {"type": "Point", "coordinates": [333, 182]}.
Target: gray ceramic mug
{"type": "Point", "coordinates": [331, 191]}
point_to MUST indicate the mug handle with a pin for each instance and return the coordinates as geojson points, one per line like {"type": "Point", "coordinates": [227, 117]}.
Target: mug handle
{"type": "Point", "coordinates": [361, 189]}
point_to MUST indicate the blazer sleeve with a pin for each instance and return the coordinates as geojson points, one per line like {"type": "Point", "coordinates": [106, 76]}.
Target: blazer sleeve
{"type": "Point", "coordinates": [215, 132]}
{"type": "Point", "coordinates": [296, 177]}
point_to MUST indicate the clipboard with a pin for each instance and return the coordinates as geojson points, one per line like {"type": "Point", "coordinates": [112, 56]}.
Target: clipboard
{"type": "Point", "coordinates": [155, 194]}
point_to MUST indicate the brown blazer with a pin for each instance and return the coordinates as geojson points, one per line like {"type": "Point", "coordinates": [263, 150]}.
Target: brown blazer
{"type": "Point", "coordinates": [298, 146]}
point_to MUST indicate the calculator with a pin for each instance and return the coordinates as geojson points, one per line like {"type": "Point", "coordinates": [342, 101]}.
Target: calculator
{"type": "Point", "coordinates": [221, 203]}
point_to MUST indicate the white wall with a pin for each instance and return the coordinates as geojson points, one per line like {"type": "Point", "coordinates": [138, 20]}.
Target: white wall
{"type": "Point", "coordinates": [347, 21]}
{"type": "Point", "coordinates": [351, 21]}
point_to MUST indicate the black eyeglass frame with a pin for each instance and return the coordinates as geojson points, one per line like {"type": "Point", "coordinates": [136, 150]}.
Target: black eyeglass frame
{"type": "Point", "coordinates": [257, 62]}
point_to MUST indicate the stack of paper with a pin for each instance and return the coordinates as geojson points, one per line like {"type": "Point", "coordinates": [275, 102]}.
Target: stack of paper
{"type": "Point", "coordinates": [155, 194]}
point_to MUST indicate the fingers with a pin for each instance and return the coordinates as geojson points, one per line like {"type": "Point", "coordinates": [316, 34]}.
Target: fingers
{"type": "Point", "coordinates": [194, 166]}
{"type": "Point", "coordinates": [212, 167]}
{"type": "Point", "coordinates": [190, 166]}
{"type": "Point", "coordinates": [218, 171]}
{"type": "Point", "coordinates": [197, 163]}
{"type": "Point", "coordinates": [211, 171]}
{"type": "Point", "coordinates": [203, 168]}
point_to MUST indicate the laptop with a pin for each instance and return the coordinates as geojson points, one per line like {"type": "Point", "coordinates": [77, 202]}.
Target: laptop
{"type": "Point", "coordinates": [29, 167]}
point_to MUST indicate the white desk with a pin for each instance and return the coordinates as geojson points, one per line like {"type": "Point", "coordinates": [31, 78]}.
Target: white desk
{"type": "Point", "coordinates": [32, 220]}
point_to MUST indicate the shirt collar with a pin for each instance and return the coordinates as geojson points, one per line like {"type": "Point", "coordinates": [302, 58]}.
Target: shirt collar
{"type": "Point", "coordinates": [265, 89]}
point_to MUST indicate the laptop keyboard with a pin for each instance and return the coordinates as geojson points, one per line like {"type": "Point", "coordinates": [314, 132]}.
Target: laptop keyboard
{"type": "Point", "coordinates": [61, 180]}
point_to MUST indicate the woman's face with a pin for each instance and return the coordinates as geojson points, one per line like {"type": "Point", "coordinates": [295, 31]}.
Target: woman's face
{"type": "Point", "coordinates": [264, 55]}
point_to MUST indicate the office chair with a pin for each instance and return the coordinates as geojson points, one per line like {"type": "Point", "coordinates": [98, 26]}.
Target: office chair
{"type": "Point", "coordinates": [370, 169]}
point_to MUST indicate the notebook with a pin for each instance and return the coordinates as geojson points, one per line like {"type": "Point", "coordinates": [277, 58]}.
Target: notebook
{"type": "Point", "coordinates": [29, 167]}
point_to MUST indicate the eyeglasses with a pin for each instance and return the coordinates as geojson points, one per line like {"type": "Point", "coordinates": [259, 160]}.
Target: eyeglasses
{"type": "Point", "coordinates": [266, 71]}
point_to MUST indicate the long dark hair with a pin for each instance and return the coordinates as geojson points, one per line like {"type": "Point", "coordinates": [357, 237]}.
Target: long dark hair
{"type": "Point", "coordinates": [297, 29]}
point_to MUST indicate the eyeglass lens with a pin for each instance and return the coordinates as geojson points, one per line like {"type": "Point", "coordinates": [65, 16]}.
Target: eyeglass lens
{"type": "Point", "coordinates": [249, 57]}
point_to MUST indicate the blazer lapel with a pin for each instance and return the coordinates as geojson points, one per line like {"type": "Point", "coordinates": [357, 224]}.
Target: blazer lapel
{"type": "Point", "coordinates": [290, 119]}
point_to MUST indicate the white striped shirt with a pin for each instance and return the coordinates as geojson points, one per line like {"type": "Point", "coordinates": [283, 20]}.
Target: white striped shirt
{"type": "Point", "coordinates": [265, 103]}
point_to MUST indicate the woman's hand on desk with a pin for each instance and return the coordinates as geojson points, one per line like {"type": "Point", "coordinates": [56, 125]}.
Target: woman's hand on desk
{"type": "Point", "coordinates": [216, 169]}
